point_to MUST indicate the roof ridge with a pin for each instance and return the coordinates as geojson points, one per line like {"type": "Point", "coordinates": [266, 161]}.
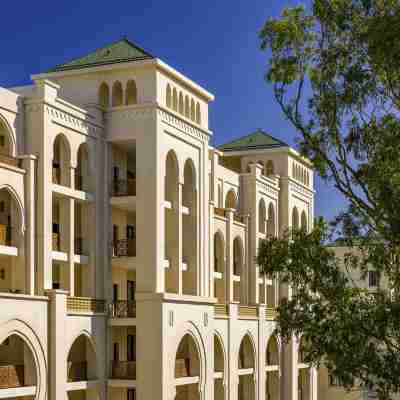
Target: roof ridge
{"type": "Point", "coordinates": [260, 131]}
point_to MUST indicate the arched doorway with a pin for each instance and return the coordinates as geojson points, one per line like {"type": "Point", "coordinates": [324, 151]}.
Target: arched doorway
{"type": "Point", "coordinates": [187, 364]}
{"type": "Point", "coordinates": [246, 370]}
{"type": "Point", "coordinates": [17, 366]}
{"type": "Point", "coordinates": [272, 387]}
{"type": "Point", "coordinates": [81, 361]}
{"type": "Point", "coordinates": [219, 369]}
{"type": "Point", "coordinates": [171, 223]}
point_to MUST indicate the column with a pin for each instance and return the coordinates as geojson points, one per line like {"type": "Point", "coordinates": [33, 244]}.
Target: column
{"type": "Point", "coordinates": [180, 219]}
{"type": "Point", "coordinates": [229, 213]}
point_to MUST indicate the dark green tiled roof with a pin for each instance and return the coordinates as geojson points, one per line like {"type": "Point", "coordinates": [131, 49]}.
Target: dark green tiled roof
{"type": "Point", "coordinates": [121, 51]}
{"type": "Point", "coordinates": [257, 140]}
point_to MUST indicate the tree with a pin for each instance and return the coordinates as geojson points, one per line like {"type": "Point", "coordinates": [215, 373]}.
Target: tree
{"type": "Point", "coordinates": [335, 72]}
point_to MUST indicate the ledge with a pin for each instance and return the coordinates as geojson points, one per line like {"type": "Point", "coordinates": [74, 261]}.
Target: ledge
{"type": "Point", "coordinates": [17, 392]}
{"type": "Point", "coordinates": [175, 298]}
{"type": "Point", "coordinates": [15, 296]}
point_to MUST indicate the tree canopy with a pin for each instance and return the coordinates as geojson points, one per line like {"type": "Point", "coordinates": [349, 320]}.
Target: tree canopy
{"type": "Point", "coordinates": [334, 68]}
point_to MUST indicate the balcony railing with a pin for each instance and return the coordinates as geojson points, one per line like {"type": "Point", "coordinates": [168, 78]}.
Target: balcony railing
{"type": "Point", "coordinates": [6, 234]}
{"type": "Point", "coordinates": [85, 304]}
{"type": "Point", "coordinates": [122, 309]}
{"type": "Point", "coordinates": [56, 242]}
{"type": "Point", "coordinates": [9, 160]}
{"type": "Point", "coordinates": [124, 248]}
{"type": "Point", "coordinates": [124, 187]}
{"type": "Point", "coordinates": [77, 371]}
{"type": "Point", "coordinates": [123, 370]}
{"type": "Point", "coordinates": [219, 211]}
{"type": "Point", "coordinates": [11, 376]}
{"type": "Point", "coordinates": [248, 312]}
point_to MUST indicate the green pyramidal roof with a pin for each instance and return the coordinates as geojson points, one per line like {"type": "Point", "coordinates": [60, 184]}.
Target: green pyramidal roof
{"type": "Point", "coordinates": [257, 140]}
{"type": "Point", "coordinates": [121, 51]}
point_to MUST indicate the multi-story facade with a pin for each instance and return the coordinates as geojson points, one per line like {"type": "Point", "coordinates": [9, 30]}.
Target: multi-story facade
{"type": "Point", "coordinates": [128, 242]}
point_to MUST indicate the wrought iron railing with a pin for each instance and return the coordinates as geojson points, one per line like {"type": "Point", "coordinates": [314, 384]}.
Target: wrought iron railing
{"type": "Point", "coordinates": [123, 370]}
{"type": "Point", "coordinates": [124, 187]}
{"type": "Point", "coordinates": [122, 309]}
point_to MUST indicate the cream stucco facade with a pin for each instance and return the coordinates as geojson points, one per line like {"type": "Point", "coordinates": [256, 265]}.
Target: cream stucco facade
{"type": "Point", "coordinates": [127, 242]}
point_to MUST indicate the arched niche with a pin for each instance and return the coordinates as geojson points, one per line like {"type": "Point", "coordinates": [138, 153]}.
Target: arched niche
{"type": "Point", "coordinates": [168, 96]}
{"type": "Point", "coordinates": [303, 220]}
{"type": "Point", "coordinates": [198, 113]}
{"type": "Point", "coordinates": [181, 104]}
{"type": "Point", "coordinates": [187, 107]}
{"type": "Point", "coordinates": [238, 268]}
{"type": "Point", "coordinates": [295, 218]}
{"type": "Point", "coordinates": [61, 161]}
{"type": "Point", "coordinates": [192, 110]}
{"type": "Point", "coordinates": [117, 94]}
{"type": "Point", "coordinates": [82, 361]}
{"type": "Point", "coordinates": [271, 220]}
{"type": "Point", "coordinates": [104, 95]}
{"type": "Point", "coordinates": [175, 100]}
{"type": "Point", "coordinates": [131, 96]}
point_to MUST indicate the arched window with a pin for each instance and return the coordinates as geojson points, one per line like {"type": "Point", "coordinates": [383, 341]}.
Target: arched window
{"type": "Point", "coordinates": [181, 105]}
{"type": "Point", "coordinates": [169, 96]}
{"type": "Point", "coordinates": [269, 168]}
{"type": "Point", "coordinates": [219, 267]}
{"type": "Point", "coordinates": [131, 93]}
{"type": "Point", "coordinates": [82, 363]}
{"type": "Point", "coordinates": [271, 220]}
{"type": "Point", "coordinates": [187, 107]}
{"type": "Point", "coordinates": [303, 220]}
{"type": "Point", "coordinates": [17, 364]}
{"type": "Point", "coordinates": [262, 216]}
{"type": "Point", "coordinates": [187, 364]}
{"type": "Point", "coordinates": [117, 94]}
{"type": "Point", "coordinates": [219, 369]}
{"type": "Point", "coordinates": [293, 170]}
{"type": "Point", "coordinates": [189, 229]}
{"type": "Point", "coordinates": [231, 200]}
{"type": "Point", "coordinates": [171, 224]}
{"type": "Point", "coordinates": [198, 113]}
{"type": "Point", "coordinates": [237, 256]}
{"type": "Point", "coordinates": [272, 387]}
{"type": "Point", "coordinates": [246, 366]}
{"type": "Point", "coordinates": [295, 218]}
{"type": "Point", "coordinates": [104, 95]}
{"type": "Point", "coordinates": [192, 110]}
{"type": "Point", "coordinates": [61, 161]}
{"type": "Point", "coordinates": [175, 100]}
{"type": "Point", "coordinates": [82, 175]}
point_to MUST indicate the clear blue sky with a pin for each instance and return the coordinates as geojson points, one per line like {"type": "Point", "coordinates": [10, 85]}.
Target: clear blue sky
{"type": "Point", "coordinates": [214, 42]}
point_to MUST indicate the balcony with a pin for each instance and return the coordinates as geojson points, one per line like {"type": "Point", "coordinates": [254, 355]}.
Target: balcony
{"type": "Point", "coordinates": [123, 370]}
{"type": "Point", "coordinates": [11, 376]}
{"type": "Point", "coordinates": [77, 371]}
{"type": "Point", "coordinates": [85, 305]}
{"type": "Point", "coordinates": [124, 187]}
{"type": "Point", "coordinates": [124, 248]}
{"type": "Point", "coordinates": [122, 309]}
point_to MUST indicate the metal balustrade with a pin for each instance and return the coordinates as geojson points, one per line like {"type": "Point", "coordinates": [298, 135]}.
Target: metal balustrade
{"type": "Point", "coordinates": [85, 304]}
{"type": "Point", "coordinates": [122, 309]}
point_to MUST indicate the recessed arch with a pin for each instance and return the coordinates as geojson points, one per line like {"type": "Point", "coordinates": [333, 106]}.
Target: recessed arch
{"type": "Point", "coordinates": [295, 218]}
{"type": "Point", "coordinates": [271, 227]}
{"type": "Point", "coordinates": [174, 99]}
{"type": "Point", "coordinates": [247, 365]}
{"type": "Point", "coordinates": [231, 200]}
{"type": "Point", "coordinates": [219, 267]}
{"type": "Point", "coordinates": [117, 94]}
{"type": "Point", "coordinates": [192, 110]}
{"type": "Point", "coordinates": [219, 368]}
{"type": "Point", "coordinates": [131, 94]}
{"type": "Point", "coordinates": [198, 113]}
{"type": "Point", "coordinates": [272, 352]}
{"type": "Point", "coordinates": [7, 139]}
{"type": "Point", "coordinates": [181, 104]}
{"type": "Point", "coordinates": [168, 96]}
{"type": "Point", "coordinates": [272, 361]}
{"type": "Point", "coordinates": [187, 107]}
{"type": "Point", "coordinates": [262, 216]}
{"type": "Point", "coordinates": [82, 172]}
{"type": "Point", "coordinates": [104, 95]}
{"type": "Point", "coordinates": [304, 220]}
